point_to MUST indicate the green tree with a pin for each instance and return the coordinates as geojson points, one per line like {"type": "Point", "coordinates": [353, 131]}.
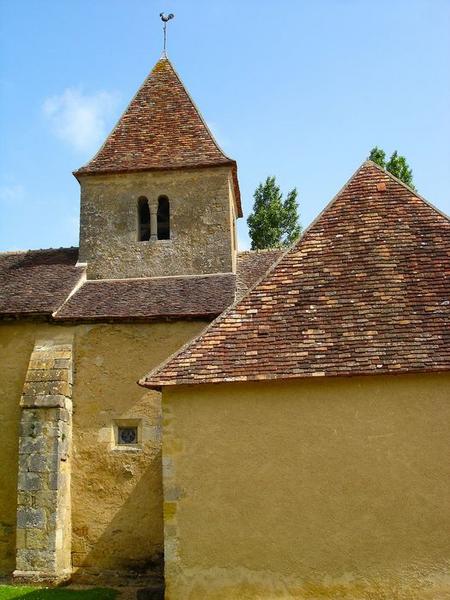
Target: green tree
{"type": "Point", "coordinates": [378, 156]}
{"type": "Point", "coordinates": [274, 222]}
{"type": "Point", "coordinates": [397, 165]}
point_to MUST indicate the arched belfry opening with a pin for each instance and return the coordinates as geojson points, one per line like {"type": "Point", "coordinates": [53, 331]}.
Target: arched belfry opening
{"type": "Point", "coordinates": [163, 218]}
{"type": "Point", "coordinates": [143, 220]}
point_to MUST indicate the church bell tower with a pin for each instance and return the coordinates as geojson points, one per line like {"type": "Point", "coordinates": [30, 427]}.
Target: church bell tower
{"type": "Point", "coordinates": [160, 197]}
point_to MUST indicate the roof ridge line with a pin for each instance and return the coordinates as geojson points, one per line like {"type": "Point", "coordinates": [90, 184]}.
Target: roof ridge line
{"type": "Point", "coordinates": [197, 109]}
{"type": "Point", "coordinates": [38, 250]}
{"type": "Point", "coordinates": [122, 114]}
{"type": "Point", "coordinates": [79, 284]}
{"type": "Point", "coordinates": [405, 185]}
{"type": "Point", "coordinates": [261, 250]}
{"type": "Point", "coordinates": [333, 199]}
{"type": "Point", "coordinates": [119, 279]}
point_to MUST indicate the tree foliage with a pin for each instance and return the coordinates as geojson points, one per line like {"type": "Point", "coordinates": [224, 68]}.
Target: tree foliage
{"type": "Point", "coordinates": [274, 221]}
{"type": "Point", "coordinates": [397, 165]}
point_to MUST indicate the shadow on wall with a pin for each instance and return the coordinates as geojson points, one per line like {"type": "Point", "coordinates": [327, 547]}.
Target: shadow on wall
{"type": "Point", "coordinates": [123, 550]}
{"type": "Point", "coordinates": [8, 593]}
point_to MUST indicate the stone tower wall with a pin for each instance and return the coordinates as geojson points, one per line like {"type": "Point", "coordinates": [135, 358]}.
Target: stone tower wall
{"type": "Point", "coordinates": [200, 224]}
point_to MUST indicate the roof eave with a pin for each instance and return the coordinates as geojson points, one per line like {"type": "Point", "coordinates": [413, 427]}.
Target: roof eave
{"type": "Point", "coordinates": [159, 385]}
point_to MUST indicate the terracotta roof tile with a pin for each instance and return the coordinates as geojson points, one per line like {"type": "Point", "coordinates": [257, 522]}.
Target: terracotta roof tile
{"type": "Point", "coordinates": [160, 129]}
{"type": "Point", "coordinates": [366, 290]}
{"type": "Point", "coordinates": [36, 282]}
{"type": "Point", "coordinates": [251, 266]}
{"type": "Point", "coordinates": [150, 298]}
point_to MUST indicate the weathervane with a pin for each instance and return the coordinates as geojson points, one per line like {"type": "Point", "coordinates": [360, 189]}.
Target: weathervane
{"type": "Point", "coordinates": [164, 19]}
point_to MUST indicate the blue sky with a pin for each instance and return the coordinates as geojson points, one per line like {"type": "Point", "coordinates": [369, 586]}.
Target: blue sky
{"type": "Point", "coordinates": [298, 89]}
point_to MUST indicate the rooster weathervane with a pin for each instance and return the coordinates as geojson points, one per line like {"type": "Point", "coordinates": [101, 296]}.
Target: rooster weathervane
{"type": "Point", "coordinates": [165, 19]}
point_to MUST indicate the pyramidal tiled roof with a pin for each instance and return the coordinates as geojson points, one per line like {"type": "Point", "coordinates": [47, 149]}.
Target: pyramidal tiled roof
{"type": "Point", "coordinates": [366, 290]}
{"type": "Point", "coordinates": [160, 129]}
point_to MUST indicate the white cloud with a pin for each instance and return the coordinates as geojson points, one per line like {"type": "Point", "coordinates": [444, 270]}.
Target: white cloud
{"type": "Point", "coordinates": [80, 119]}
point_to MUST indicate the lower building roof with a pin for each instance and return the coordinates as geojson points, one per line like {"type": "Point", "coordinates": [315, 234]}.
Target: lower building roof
{"type": "Point", "coordinates": [47, 283]}
{"type": "Point", "coordinates": [36, 282]}
{"type": "Point", "coordinates": [150, 298]}
{"type": "Point", "coordinates": [366, 290]}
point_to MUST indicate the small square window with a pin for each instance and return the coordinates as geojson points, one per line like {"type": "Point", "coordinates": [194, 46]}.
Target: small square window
{"type": "Point", "coordinates": [127, 436]}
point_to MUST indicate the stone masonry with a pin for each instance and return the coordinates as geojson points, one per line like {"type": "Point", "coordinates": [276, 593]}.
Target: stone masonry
{"type": "Point", "coordinates": [43, 490]}
{"type": "Point", "coordinates": [201, 216]}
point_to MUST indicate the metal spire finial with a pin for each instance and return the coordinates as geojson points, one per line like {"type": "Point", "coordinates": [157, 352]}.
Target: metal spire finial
{"type": "Point", "coordinates": [164, 19]}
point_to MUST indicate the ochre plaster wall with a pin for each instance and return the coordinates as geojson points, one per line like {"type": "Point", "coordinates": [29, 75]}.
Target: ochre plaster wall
{"type": "Point", "coordinates": [199, 224]}
{"type": "Point", "coordinates": [116, 493]}
{"type": "Point", "coordinates": [16, 345]}
{"type": "Point", "coordinates": [320, 488]}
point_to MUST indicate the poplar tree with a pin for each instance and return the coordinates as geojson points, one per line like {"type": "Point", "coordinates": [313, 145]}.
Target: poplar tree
{"type": "Point", "coordinates": [397, 165]}
{"type": "Point", "coordinates": [274, 221]}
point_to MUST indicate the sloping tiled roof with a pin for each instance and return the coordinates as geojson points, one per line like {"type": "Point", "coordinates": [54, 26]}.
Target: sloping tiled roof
{"type": "Point", "coordinates": [150, 298]}
{"type": "Point", "coordinates": [366, 290]}
{"type": "Point", "coordinates": [161, 129]}
{"type": "Point", "coordinates": [251, 266]}
{"type": "Point", "coordinates": [39, 283]}
{"type": "Point", "coordinates": [36, 282]}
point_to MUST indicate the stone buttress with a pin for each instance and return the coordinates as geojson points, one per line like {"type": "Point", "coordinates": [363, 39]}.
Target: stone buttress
{"type": "Point", "coordinates": [43, 489]}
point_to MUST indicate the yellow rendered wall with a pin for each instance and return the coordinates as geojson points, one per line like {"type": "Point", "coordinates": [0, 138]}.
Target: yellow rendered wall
{"type": "Point", "coordinates": [116, 494]}
{"type": "Point", "coordinates": [16, 344]}
{"type": "Point", "coordinates": [315, 488]}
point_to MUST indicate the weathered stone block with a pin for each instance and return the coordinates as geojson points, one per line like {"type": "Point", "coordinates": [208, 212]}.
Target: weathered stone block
{"type": "Point", "coordinates": [37, 539]}
{"type": "Point", "coordinates": [62, 363]}
{"type": "Point", "coordinates": [29, 445]}
{"type": "Point", "coordinates": [30, 428]}
{"type": "Point", "coordinates": [25, 498]}
{"type": "Point", "coordinates": [29, 416]}
{"type": "Point", "coordinates": [43, 463]}
{"type": "Point", "coordinates": [54, 479]}
{"type": "Point", "coordinates": [62, 351]}
{"type": "Point", "coordinates": [47, 388]}
{"type": "Point", "coordinates": [46, 499]}
{"type": "Point", "coordinates": [29, 482]}
{"type": "Point", "coordinates": [24, 461]}
{"type": "Point", "coordinates": [41, 375]}
{"type": "Point", "coordinates": [64, 413]}
{"type": "Point", "coordinates": [35, 560]}
{"type": "Point", "coordinates": [28, 517]}
{"type": "Point", "coordinates": [42, 399]}
{"type": "Point", "coordinates": [37, 362]}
